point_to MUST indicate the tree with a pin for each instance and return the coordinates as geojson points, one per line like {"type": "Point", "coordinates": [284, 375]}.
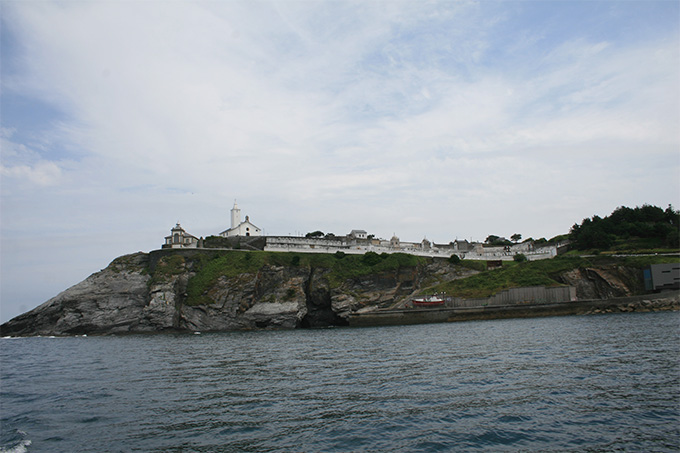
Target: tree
{"type": "Point", "coordinates": [454, 259]}
{"type": "Point", "coordinates": [497, 241]}
{"type": "Point", "coordinates": [519, 258]}
{"type": "Point", "coordinates": [371, 258]}
{"type": "Point", "coordinates": [647, 222]}
{"type": "Point", "coordinates": [672, 216]}
{"type": "Point", "coordinates": [516, 237]}
{"type": "Point", "coordinates": [490, 239]}
{"type": "Point", "coordinates": [315, 234]}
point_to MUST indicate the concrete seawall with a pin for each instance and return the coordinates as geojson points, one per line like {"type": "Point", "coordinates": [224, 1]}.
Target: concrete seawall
{"type": "Point", "coordinates": [669, 300]}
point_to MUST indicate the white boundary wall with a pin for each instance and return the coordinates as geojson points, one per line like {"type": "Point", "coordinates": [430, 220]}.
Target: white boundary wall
{"type": "Point", "coordinates": [357, 247]}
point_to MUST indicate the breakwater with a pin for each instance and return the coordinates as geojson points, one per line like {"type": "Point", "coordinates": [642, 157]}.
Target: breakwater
{"type": "Point", "coordinates": [651, 302]}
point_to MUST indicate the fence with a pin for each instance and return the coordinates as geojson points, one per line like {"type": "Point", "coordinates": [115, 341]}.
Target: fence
{"type": "Point", "coordinates": [519, 296]}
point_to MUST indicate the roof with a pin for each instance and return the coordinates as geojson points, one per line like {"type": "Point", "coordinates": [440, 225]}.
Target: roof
{"type": "Point", "coordinates": [245, 222]}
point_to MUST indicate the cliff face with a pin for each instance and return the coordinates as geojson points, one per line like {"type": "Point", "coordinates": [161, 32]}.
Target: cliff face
{"type": "Point", "coordinates": [113, 300]}
{"type": "Point", "coordinates": [604, 282]}
{"type": "Point", "coordinates": [192, 291]}
{"type": "Point", "coordinates": [136, 294]}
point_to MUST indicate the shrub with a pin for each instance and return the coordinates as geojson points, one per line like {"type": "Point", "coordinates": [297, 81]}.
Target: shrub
{"type": "Point", "coordinates": [519, 258]}
{"type": "Point", "coordinates": [454, 259]}
{"type": "Point", "coordinates": [371, 258]}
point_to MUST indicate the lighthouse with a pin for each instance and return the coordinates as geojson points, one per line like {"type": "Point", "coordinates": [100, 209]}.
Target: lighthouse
{"type": "Point", "coordinates": [235, 216]}
{"type": "Point", "coordinates": [239, 228]}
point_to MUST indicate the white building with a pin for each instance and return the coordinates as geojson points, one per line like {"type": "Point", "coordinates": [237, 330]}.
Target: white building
{"type": "Point", "coordinates": [238, 228]}
{"type": "Point", "coordinates": [179, 238]}
{"type": "Point", "coordinates": [358, 234]}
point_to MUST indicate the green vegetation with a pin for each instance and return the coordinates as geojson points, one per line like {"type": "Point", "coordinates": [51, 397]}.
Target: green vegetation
{"type": "Point", "coordinates": [290, 294]}
{"type": "Point", "coordinates": [475, 265]}
{"type": "Point", "coordinates": [519, 258]}
{"type": "Point", "coordinates": [542, 242]}
{"type": "Point", "coordinates": [129, 263]}
{"type": "Point", "coordinates": [647, 228]}
{"type": "Point", "coordinates": [538, 273]}
{"type": "Point", "coordinates": [168, 266]}
{"type": "Point", "coordinates": [209, 268]}
{"type": "Point", "coordinates": [496, 241]}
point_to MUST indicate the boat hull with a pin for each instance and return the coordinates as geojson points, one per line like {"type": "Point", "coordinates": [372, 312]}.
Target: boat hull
{"type": "Point", "coordinates": [430, 301]}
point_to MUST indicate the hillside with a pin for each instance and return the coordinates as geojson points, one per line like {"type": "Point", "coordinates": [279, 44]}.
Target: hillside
{"type": "Point", "coordinates": [210, 290]}
{"type": "Point", "coordinates": [572, 270]}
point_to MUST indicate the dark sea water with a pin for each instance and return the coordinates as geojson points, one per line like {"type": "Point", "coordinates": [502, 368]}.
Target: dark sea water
{"type": "Point", "coordinates": [579, 383]}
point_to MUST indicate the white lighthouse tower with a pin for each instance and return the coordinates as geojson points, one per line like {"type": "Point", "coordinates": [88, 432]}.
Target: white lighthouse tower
{"type": "Point", "coordinates": [238, 228]}
{"type": "Point", "coordinates": [235, 216]}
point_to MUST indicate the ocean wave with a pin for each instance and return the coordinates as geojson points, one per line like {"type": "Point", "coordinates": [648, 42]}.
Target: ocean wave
{"type": "Point", "coordinates": [20, 447]}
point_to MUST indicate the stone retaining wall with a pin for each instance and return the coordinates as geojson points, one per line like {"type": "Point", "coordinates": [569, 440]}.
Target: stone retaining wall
{"type": "Point", "coordinates": [651, 302]}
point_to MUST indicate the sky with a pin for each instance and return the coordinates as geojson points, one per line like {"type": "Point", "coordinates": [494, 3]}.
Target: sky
{"type": "Point", "coordinates": [428, 119]}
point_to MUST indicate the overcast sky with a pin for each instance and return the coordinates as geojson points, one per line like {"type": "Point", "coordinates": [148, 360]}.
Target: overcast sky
{"type": "Point", "coordinates": [430, 119]}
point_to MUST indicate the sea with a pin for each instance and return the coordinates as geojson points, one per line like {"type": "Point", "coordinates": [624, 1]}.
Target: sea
{"type": "Point", "coordinates": [562, 384]}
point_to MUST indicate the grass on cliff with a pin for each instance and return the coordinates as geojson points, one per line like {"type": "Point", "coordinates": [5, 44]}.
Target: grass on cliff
{"type": "Point", "coordinates": [209, 268]}
{"type": "Point", "coordinates": [537, 273]}
{"type": "Point", "coordinates": [167, 267]}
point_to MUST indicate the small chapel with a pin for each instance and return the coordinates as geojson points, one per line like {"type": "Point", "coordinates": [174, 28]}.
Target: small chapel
{"type": "Point", "coordinates": [238, 228]}
{"type": "Point", "coordinates": [179, 238]}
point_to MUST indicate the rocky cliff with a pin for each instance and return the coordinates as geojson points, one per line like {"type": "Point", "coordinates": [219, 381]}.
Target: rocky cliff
{"type": "Point", "coordinates": [202, 290]}
{"type": "Point", "coordinates": [213, 291]}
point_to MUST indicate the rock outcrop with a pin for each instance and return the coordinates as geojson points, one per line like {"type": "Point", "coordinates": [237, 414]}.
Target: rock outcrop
{"type": "Point", "coordinates": [150, 293]}
{"type": "Point", "coordinates": [604, 282]}
{"type": "Point", "coordinates": [208, 290]}
{"type": "Point", "coordinates": [114, 300]}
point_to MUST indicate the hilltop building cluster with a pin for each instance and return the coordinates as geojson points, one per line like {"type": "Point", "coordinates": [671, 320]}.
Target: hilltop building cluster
{"type": "Point", "coordinates": [179, 238]}
{"type": "Point", "coordinates": [359, 242]}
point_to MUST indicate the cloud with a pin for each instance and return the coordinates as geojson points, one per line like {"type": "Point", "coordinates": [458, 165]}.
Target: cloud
{"type": "Point", "coordinates": [22, 165]}
{"type": "Point", "coordinates": [42, 173]}
{"type": "Point", "coordinates": [447, 119]}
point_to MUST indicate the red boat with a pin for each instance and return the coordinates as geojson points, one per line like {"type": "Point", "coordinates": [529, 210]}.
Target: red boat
{"type": "Point", "coordinates": [428, 301]}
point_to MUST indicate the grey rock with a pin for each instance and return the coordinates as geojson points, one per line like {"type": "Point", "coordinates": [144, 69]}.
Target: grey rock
{"type": "Point", "coordinates": [109, 301]}
{"type": "Point", "coordinates": [150, 293]}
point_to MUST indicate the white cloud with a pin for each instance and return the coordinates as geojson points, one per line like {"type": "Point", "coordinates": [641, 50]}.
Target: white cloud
{"type": "Point", "coordinates": [340, 115]}
{"type": "Point", "coordinates": [20, 165]}
{"type": "Point", "coordinates": [42, 173]}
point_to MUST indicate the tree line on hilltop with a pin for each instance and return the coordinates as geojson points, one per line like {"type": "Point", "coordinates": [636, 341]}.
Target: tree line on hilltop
{"type": "Point", "coordinates": [647, 226]}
